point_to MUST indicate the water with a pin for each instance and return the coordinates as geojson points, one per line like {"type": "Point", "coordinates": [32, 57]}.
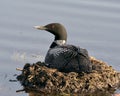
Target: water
{"type": "Point", "coordinates": [91, 24]}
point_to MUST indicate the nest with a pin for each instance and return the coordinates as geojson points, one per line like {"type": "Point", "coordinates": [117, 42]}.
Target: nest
{"type": "Point", "coordinates": [39, 78]}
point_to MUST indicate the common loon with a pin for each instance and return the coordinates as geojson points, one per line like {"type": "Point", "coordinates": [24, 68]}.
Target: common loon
{"type": "Point", "coordinates": [64, 57]}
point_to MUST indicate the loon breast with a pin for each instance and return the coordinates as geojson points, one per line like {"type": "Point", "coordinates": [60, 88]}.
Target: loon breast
{"type": "Point", "coordinates": [68, 58]}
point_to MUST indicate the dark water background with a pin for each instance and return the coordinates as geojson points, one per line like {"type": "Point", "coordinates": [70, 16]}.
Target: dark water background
{"type": "Point", "coordinates": [91, 24]}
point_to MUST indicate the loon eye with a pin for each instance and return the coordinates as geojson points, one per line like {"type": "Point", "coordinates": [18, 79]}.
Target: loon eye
{"type": "Point", "coordinates": [52, 26]}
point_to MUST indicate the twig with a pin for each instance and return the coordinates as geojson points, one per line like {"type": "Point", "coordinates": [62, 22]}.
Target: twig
{"type": "Point", "coordinates": [19, 69]}
{"type": "Point", "coordinates": [20, 90]}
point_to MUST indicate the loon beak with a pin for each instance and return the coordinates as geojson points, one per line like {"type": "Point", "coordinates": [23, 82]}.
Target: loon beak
{"type": "Point", "coordinates": [40, 27]}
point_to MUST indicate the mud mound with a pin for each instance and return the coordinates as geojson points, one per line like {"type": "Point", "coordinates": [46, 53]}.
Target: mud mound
{"type": "Point", "coordinates": [40, 78]}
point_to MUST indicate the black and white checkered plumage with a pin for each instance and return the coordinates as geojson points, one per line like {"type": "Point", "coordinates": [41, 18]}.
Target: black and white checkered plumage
{"type": "Point", "coordinates": [68, 58]}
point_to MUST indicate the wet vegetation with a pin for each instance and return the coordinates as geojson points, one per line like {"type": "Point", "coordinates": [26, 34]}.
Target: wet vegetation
{"type": "Point", "coordinates": [38, 79]}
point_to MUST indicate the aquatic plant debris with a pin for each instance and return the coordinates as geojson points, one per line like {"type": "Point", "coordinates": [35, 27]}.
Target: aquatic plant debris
{"type": "Point", "coordinates": [37, 77]}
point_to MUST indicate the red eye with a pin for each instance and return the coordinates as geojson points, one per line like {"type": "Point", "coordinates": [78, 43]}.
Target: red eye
{"type": "Point", "coordinates": [53, 26]}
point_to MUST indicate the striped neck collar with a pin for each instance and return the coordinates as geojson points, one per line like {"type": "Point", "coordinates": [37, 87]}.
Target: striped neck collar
{"type": "Point", "coordinates": [58, 43]}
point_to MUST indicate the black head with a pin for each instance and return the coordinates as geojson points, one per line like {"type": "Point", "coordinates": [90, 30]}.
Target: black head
{"type": "Point", "coordinates": [55, 28]}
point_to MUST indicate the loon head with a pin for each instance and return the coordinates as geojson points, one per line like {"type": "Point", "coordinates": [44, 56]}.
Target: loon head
{"type": "Point", "coordinates": [57, 29]}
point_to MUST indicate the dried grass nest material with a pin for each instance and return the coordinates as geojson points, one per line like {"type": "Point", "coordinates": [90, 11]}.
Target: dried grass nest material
{"type": "Point", "coordinates": [40, 78]}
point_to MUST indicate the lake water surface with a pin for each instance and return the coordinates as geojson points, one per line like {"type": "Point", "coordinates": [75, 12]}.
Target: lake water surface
{"type": "Point", "coordinates": [91, 24]}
